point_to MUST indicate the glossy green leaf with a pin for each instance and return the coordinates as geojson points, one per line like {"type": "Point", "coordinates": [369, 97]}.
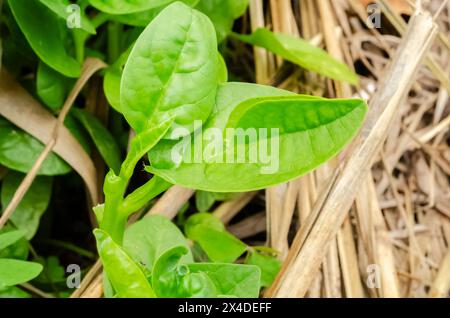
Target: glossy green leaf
{"type": "Point", "coordinates": [269, 266]}
{"type": "Point", "coordinates": [237, 280]}
{"type": "Point", "coordinates": [61, 9]}
{"type": "Point", "coordinates": [146, 240]}
{"type": "Point", "coordinates": [20, 150]}
{"type": "Point", "coordinates": [125, 275]}
{"type": "Point", "coordinates": [310, 132]}
{"type": "Point", "coordinates": [171, 71]}
{"type": "Point", "coordinates": [28, 213]}
{"type": "Point", "coordinates": [13, 272]}
{"type": "Point", "coordinates": [142, 19]}
{"type": "Point", "coordinates": [45, 33]}
{"type": "Point", "coordinates": [299, 51]}
{"type": "Point", "coordinates": [103, 140]}
{"type": "Point", "coordinates": [170, 279]}
{"type": "Point", "coordinates": [9, 238]}
{"type": "Point", "coordinates": [223, 13]}
{"type": "Point", "coordinates": [209, 232]}
{"type": "Point", "coordinates": [127, 6]}
{"type": "Point", "coordinates": [51, 87]}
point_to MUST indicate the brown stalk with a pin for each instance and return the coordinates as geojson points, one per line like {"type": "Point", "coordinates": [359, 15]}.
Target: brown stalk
{"type": "Point", "coordinates": [16, 114]}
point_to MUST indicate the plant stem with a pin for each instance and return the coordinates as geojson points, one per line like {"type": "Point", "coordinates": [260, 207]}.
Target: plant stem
{"type": "Point", "coordinates": [114, 30]}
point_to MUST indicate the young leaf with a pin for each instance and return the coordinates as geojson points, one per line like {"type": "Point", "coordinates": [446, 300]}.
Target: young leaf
{"type": "Point", "coordinates": [127, 6]}
{"type": "Point", "coordinates": [16, 250]}
{"type": "Point", "coordinates": [209, 232]}
{"type": "Point", "coordinates": [51, 86]}
{"type": "Point", "coordinates": [237, 280]}
{"type": "Point", "coordinates": [142, 195]}
{"type": "Point", "coordinates": [170, 279]}
{"type": "Point", "coordinates": [9, 238]}
{"type": "Point", "coordinates": [20, 151]}
{"type": "Point", "coordinates": [60, 8]}
{"type": "Point", "coordinates": [13, 272]}
{"type": "Point", "coordinates": [124, 274]}
{"type": "Point", "coordinates": [45, 33]}
{"type": "Point", "coordinates": [268, 265]}
{"type": "Point", "coordinates": [310, 132]}
{"type": "Point", "coordinates": [30, 209]}
{"type": "Point", "coordinates": [106, 144]}
{"type": "Point", "coordinates": [146, 240]}
{"type": "Point", "coordinates": [222, 14]}
{"type": "Point", "coordinates": [171, 71]}
{"type": "Point", "coordinates": [299, 51]}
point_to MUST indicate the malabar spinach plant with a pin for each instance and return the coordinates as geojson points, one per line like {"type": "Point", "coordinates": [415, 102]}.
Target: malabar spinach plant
{"type": "Point", "coordinates": [165, 74]}
{"type": "Point", "coordinates": [169, 81]}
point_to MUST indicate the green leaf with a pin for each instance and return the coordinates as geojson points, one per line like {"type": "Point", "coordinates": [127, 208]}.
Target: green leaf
{"type": "Point", "coordinates": [20, 150]}
{"type": "Point", "coordinates": [53, 271]}
{"type": "Point", "coordinates": [310, 132]}
{"type": "Point", "coordinates": [142, 19]}
{"type": "Point", "coordinates": [16, 250]}
{"type": "Point", "coordinates": [142, 195]}
{"type": "Point", "coordinates": [146, 240]}
{"type": "Point", "coordinates": [60, 8]}
{"type": "Point", "coordinates": [113, 75]}
{"type": "Point", "coordinates": [209, 232]}
{"type": "Point", "coordinates": [269, 266]}
{"type": "Point", "coordinates": [45, 32]}
{"type": "Point", "coordinates": [222, 14]}
{"type": "Point", "coordinates": [77, 130]}
{"type": "Point", "coordinates": [237, 280]}
{"type": "Point", "coordinates": [28, 213]}
{"type": "Point", "coordinates": [52, 87]}
{"type": "Point", "coordinates": [204, 200]}
{"type": "Point", "coordinates": [171, 71]}
{"type": "Point", "coordinates": [126, 6]}
{"type": "Point", "coordinates": [125, 275]}
{"type": "Point", "coordinates": [105, 142]}
{"type": "Point", "coordinates": [300, 52]}
{"type": "Point", "coordinates": [142, 143]}
{"type": "Point", "coordinates": [9, 238]}
{"type": "Point", "coordinates": [170, 279]}
{"type": "Point", "coordinates": [13, 272]}
{"type": "Point", "coordinates": [13, 292]}
{"type": "Point", "coordinates": [222, 70]}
